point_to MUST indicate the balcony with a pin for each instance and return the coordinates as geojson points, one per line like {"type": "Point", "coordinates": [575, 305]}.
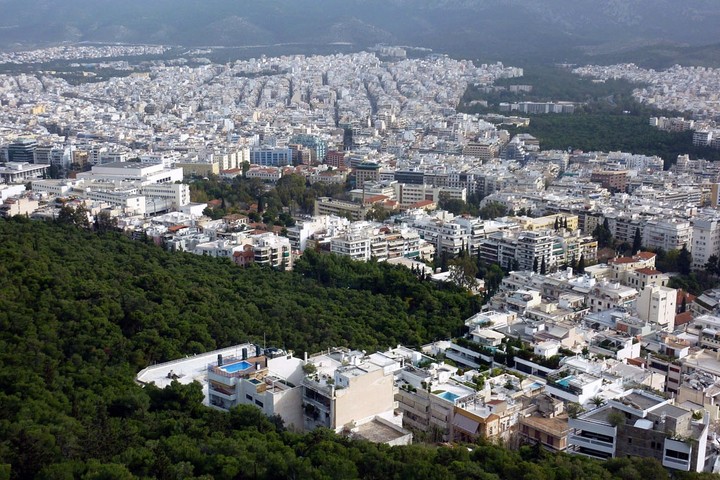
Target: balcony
{"type": "Point", "coordinates": [463, 359]}
{"type": "Point", "coordinates": [676, 463]}
{"type": "Point", "coordinates": [592, 444]}
{"type": "Point", "coordinates": [218, 394]}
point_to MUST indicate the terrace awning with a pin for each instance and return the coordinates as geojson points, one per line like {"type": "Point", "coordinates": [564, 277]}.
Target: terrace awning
{"type": "Point", "coordinates": [467, 424]}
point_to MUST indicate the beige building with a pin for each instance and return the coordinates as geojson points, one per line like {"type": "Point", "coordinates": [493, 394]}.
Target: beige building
{"type": "Point", "coordinates": [340, 208]}
{"type": "Point", "coordinates": [615, 181]}
{"type": "Point", "coordinates": [344, 390]}
{"type": "Point", "coordinates": [548, 222]}
{"type": "Point", "coordinates": [199, 169]}
{"type": "Point", "coordinates": [18, 206]}
{"type": "Point", "coordinates": [366, 172]}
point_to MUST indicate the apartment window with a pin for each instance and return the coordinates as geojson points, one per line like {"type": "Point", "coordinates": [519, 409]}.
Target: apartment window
{"type": "Point", "coordinates": [259, 403]}
{"type": "Point", "coordinates": [249, 397]}
{"type": "Point", "coordinates": [678, 455]}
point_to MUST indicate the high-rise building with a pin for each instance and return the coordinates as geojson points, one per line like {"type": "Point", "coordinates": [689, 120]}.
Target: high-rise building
{"type": "Point", "coordinates": [657, 304]}
{"type": "Point", "coordinates": [312, 142]}
{"type": "Point", "coordinates": [22, 150]}
{"type": "Point", "coordinates": [271, 157]}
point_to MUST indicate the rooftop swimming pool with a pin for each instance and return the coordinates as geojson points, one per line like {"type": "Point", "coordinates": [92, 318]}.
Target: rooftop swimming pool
{"type": "Point", "coordinates": [565, 381]}
{"type": "Point", "coordinates": [449, 396]}
{"type": "Point", "coordinates": [236, 367]}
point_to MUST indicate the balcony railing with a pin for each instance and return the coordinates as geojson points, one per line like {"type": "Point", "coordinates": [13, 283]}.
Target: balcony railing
{"type": "Point", "coordinates": [591, 442]}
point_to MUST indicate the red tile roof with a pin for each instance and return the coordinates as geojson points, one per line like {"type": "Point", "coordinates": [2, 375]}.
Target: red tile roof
{"type": "Point", "coordinates": [689, 297]}
{"type": "Point", "coordinates": [683, 318]}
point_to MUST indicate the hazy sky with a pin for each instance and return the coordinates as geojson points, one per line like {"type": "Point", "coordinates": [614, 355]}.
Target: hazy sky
{"type": "Point", "coordinates": [550, 28]}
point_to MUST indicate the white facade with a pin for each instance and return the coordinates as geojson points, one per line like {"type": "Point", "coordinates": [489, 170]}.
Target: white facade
{"type": "Point", "coordinates": [658, 304]}
{"type": "Point", "coordinates": [705, 239]}
{"type": "Point", "coordinates": [133, 172]}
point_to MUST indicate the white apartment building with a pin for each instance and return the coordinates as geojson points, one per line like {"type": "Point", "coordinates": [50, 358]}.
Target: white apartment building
{"type": "Point", "coordinates": [532, 246]}
{"type": "Point", "coordinates": [606, 295]}
{"type": "Point", "coordinates": [409, 194]}
{"type": "Point", "coordinates": [272, 250]}
{"type": "Point", "coordinates": [443, 232]}
{"type": "Point", "coordinates": [709, 328]}
{"type": "Point", "coordinates": [355, 245]}
{"type": "Point", "coordinates": [365, 241]}
{"type": "Point", "coordinates": [705, 239]}
{"type": "Point", "coordinates": [272, 383]}
{"type": "Point", "coordinates": [303, 230]}
{"type": "Point", "coordinates": [657, 304]}
{"type": "Point", "coordinates": [667, 234]}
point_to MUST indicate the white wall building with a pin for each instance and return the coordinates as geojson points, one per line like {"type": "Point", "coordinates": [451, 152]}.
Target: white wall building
{"type": "Point", "coordinates": [658, 304]}
{"type": "Point", "coordinates": [133, 172]}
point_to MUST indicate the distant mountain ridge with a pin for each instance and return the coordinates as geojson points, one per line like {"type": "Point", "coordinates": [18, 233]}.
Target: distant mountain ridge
{"type": "Point", "coordinates": [555, 29]}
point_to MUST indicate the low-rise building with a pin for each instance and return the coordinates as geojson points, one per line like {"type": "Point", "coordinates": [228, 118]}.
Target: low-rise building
{"type": "Point", "coordinates": [644, 425]}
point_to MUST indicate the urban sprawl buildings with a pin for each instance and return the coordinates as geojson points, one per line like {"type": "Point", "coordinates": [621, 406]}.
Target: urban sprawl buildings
{"type": "Point", "coordinates": [578, 348]}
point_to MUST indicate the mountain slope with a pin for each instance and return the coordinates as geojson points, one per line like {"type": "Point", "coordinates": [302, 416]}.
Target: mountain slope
{"type": "Point", "coordinates": [551, 28]}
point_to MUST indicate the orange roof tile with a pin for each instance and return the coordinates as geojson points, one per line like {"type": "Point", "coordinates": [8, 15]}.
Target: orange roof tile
{"type": "Point", "coordinates": [683, 318]}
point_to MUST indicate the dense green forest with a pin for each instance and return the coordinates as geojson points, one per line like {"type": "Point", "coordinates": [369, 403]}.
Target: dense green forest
{"type": "Point", "coordinates": [81, 313]}
{"type": "Point", "coordinates": [608, 132]}
{"type": "Point", "coordinates": [290, 194]}
{"type": "Point", "coordinates": [610, 119]}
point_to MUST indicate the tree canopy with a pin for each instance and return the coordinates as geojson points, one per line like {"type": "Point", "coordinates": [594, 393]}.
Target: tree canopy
{"type": "Point", "coordinates": [81, 312]}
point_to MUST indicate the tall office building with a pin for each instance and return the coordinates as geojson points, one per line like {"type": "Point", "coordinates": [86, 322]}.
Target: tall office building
{"type": "Point", "coordinates": [22, 150]}
{"type": "Point", "coordinates": [271, 156]}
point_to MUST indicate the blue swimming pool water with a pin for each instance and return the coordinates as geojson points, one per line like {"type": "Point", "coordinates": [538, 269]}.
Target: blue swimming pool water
{"type": "Point", "coordinates": [565, 381]}
{"type": "Point", "coordinates": [448, 396]}
{"type": "Point", "coordinates": [236, 367]}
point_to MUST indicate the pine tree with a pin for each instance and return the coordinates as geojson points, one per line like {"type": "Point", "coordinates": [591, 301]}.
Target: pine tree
{"type": "Point", "coordinates": [543, 267]}
{"type": "Point", "coordinates": [535, 265]}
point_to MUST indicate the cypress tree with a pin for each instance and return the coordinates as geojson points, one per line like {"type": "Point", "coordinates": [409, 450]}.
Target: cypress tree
{"type": "Point", "coordinates": [581, 264]}
{"type": "Point", "coordinates": [637, 241]}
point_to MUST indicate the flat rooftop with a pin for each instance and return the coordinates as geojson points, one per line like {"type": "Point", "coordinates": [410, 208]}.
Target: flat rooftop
{"type": "Point", "coordinates": [379, 432]}
{"type": "Point", "coordinates": [670, 410]}
{"type": "Point", "coordinates": [642, 401]}
{"type": "Point", "coordinates": [554, 425]}
{"type": "Point", "coordinates": [189, 369]}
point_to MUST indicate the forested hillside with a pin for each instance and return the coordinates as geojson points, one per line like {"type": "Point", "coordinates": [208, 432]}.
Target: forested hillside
{"type": "Point", "coordinates": [80, 314]}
